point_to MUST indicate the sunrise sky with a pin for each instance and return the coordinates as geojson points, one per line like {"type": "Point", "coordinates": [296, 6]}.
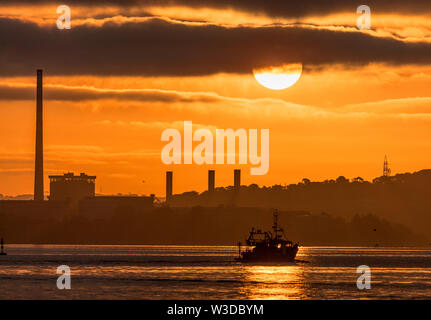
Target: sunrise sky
{"type": "Point", "coordinates": [124, 73]}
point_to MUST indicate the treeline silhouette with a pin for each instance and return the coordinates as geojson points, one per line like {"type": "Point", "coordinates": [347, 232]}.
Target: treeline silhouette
{"type": "Point", "coordinates": [402, 198]}
{"type": "Point", "coordinates": [205, 226]}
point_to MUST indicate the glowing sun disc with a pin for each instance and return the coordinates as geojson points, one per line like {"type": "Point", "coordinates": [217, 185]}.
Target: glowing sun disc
{"type": "Point", "coordinates": [279, 77]}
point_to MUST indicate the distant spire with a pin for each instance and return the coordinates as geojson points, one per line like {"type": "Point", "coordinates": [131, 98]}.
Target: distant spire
{"type": "Point", "coordinates": [386, 170]}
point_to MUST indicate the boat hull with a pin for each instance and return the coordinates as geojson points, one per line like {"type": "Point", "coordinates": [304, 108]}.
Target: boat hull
{"type": "Point", "coordinates": [287, 255]}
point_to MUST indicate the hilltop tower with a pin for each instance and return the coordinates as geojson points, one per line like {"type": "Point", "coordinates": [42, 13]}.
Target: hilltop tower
{"type": "Point", "coordinates": [386, 170]}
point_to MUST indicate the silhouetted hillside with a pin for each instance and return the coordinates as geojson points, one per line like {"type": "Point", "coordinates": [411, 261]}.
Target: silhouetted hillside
{"type": "Point", "coordinates": [205, 226]}
{"type": "Point", "coordinates": [403, 198]}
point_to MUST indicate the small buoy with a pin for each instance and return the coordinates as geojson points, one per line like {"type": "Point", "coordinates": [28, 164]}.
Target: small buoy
{"type": "Point", "coordinates": [2, 252]}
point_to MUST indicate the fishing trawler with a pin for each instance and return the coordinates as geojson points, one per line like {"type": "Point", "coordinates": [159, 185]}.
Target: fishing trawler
{"type": "Point", "coordinates": [267, 246]}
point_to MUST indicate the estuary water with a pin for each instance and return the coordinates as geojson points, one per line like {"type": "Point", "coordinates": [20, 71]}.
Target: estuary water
{"type": "Point", "coordinates": [210, 272]}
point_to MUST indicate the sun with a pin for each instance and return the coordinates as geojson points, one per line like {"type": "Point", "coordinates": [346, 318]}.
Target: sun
{"type": "Point", "coordinates": [278, 77]}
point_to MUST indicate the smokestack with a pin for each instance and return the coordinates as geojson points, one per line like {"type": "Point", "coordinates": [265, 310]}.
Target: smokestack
{"type": "Point", "coordinates": [211, 181]}
{"type": "Point", "coordinates": [168, 185]}
{"type": "Point", "coordinates": [237, 178]}
{"type": "Point", "coordinates": [38, 168]}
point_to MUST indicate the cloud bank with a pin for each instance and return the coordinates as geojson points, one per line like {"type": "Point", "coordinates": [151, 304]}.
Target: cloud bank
{"type": "Point", "coordinates": [160, 48]}
{"type": "Point", "coordinates": [275, 8]}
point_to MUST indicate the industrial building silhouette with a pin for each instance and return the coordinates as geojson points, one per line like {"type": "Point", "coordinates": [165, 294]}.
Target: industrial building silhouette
{"type": "Point", "coordinates": [68, 192]}
{"type": "Point", "coordinates": [38, 168]}
{"type": "Point", "coordinates": [69, 187]}
{"type": "Point", "coordinates": [76, 193]}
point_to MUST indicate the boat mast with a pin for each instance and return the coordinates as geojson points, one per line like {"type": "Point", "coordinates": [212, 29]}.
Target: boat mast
{"type": "Point", "coordinates": [275, 226]}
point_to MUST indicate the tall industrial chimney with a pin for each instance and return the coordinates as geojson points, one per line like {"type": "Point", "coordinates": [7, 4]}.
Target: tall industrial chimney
{"type": "Point", "coordinates": [168, 185]}
{"type": "Point", "coordinates": [38, 168]}
{"type": "Point", "coordinates": [237, 178]}
{"type": "Point", "coordinates": [211, 181]}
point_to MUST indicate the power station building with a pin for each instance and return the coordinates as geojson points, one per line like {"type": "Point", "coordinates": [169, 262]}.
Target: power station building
{"type": "Point", "coordinates": [68, 192]}
{"type": "Point", "coordinates": [71, 188]}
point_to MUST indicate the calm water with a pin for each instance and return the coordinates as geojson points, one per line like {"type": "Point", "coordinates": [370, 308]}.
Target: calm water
{"type": "Point", "coordinates": [201, 272]}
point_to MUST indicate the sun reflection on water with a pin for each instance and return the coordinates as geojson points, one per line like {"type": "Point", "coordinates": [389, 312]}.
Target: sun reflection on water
{"type": "Point", "coordinates": [273, 282]}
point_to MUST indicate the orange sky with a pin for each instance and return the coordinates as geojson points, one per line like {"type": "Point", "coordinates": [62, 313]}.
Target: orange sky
{"type": "Point", "coordinates": [336, 120]}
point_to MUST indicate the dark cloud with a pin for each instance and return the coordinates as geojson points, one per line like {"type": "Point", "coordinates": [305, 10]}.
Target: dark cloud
{"type": "Point", "coordinates": [159, 48]}
{"type": "Point", "coordinates": [276, 8]}
{"type": "Point", "coordinates": [16, 93]}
